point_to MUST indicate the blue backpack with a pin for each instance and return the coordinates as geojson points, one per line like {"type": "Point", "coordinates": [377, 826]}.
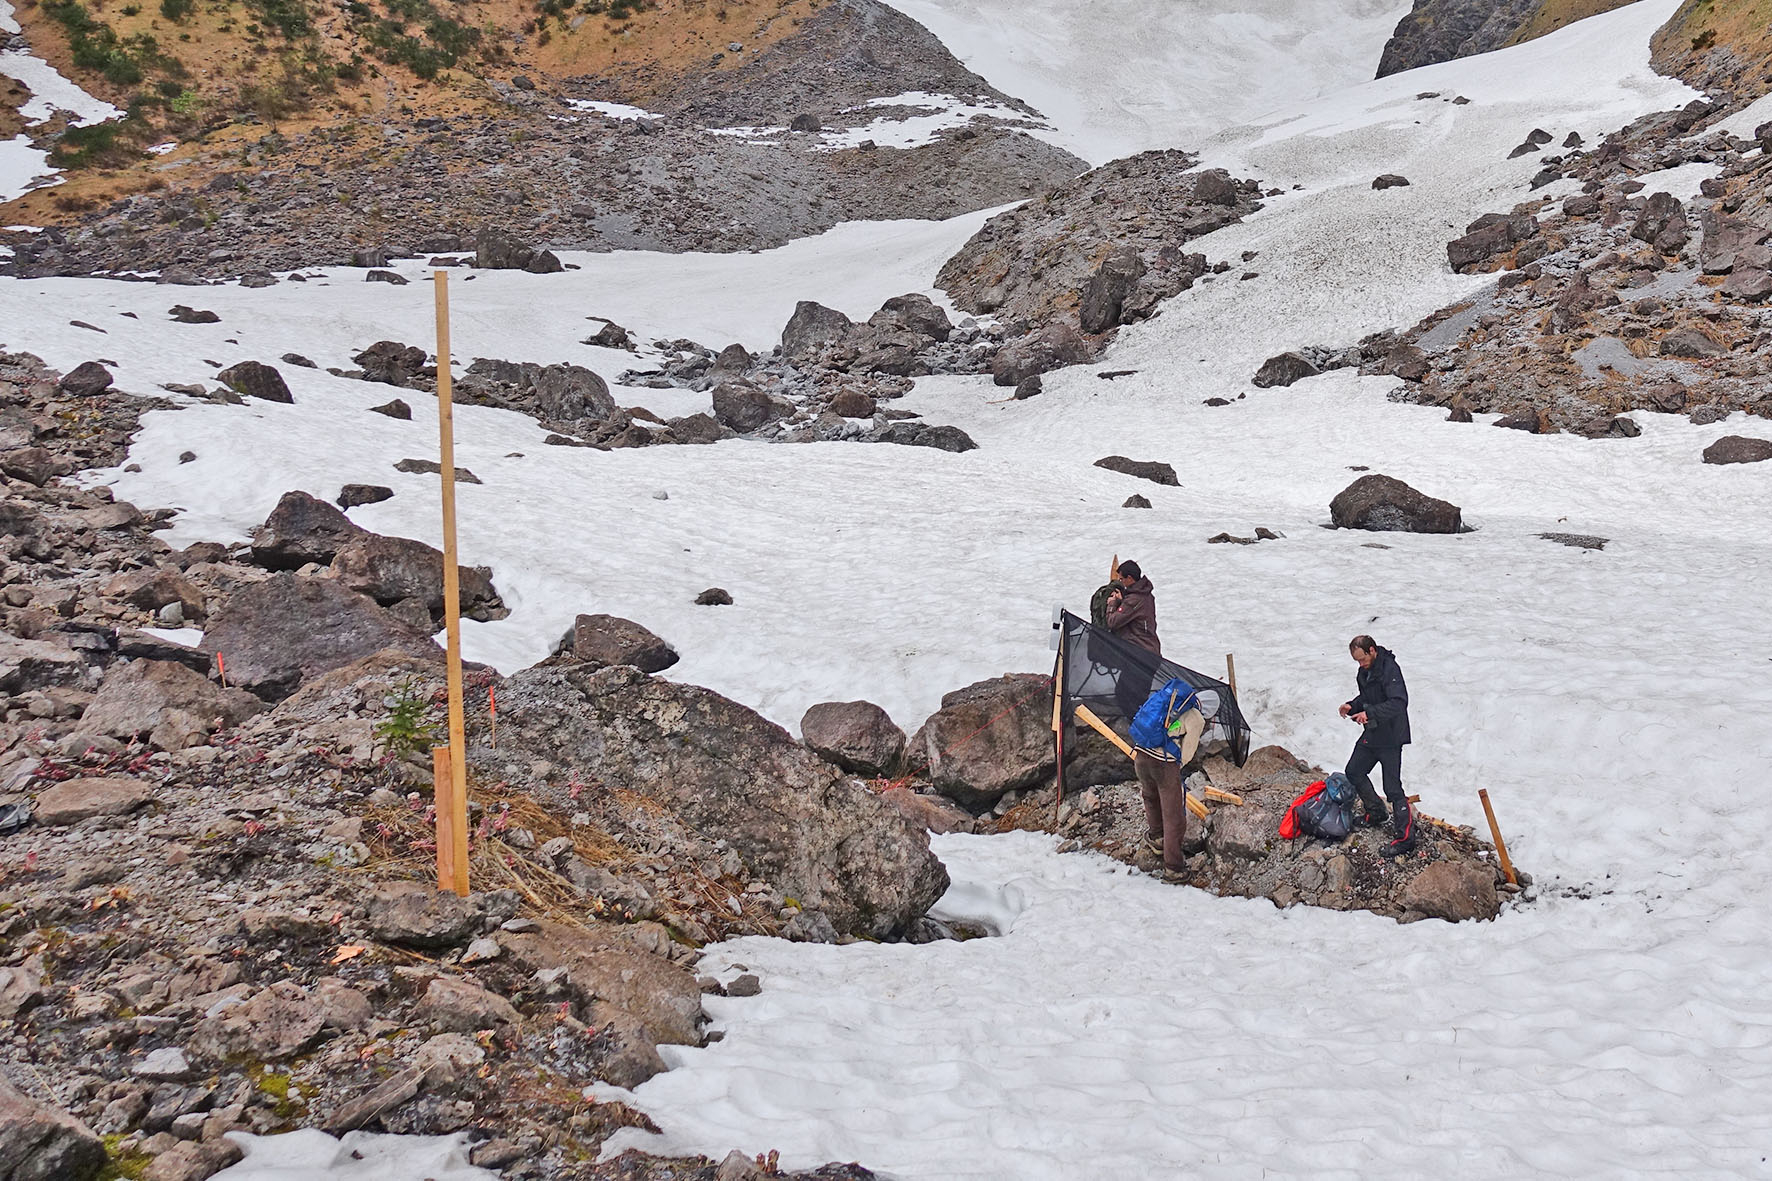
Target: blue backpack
{"type": "Point", "coordinates": [1150, 726]}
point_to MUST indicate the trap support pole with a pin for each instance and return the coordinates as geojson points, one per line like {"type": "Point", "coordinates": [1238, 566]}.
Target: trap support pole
{"type": "Point", "coordinates": [450, 763]}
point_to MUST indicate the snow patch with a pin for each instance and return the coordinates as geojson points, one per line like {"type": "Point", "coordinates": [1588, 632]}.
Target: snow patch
{"type": "Point", "coordinates": [1682, 182]}
{"type": "Point", "coordinates": [612, 110]}
{"type": "Point", "coordinates": [309, 1155]}
{"type": "Point", "coordinates": [50, 92]}
{"type": "Point", "coordinates": [944, 112]}
{"type": "Point", "coordinates": [23, 168]}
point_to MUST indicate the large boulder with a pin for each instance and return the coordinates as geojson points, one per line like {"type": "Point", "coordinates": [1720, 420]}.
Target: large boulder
{"type": "Point", "coordinates": [389, 569]}
{"type": "Point", "coordinates": [255, 379]}
{"type": "Point", "coordinates": [1156, 471]}
{"type": "Point", "coordinates": [74, 800]}
{"type": "Point", "coordinates": [640, 1001]}
{"type": "Point", "coordinates": [1738, 449]}
{"type": "Point", "coordinates": [174, 706]}
{"type": "Point", "coordinates": [153, 589]}
{"type": "Point", "coordinates": [302, 529]}
{"type": "Point", "coordinates": [391, 363]}
{"type": "Point", "coordinates": [1384, 504]}
{"type": "Point", "coordinates": [1283, 370]}
{"type": "Point", "coordinates": [42, 1143]}
{"type": "Point", "coordinates": [858, 736]}
{"type": "Point", "coordinates": [1214, 186]}
{"type": "Point", "coordinates": [275, 1023]}
{"type": "Point", "coordinates": [742, 407]}
{"type": "Point", "coordinates": [564, 395]}
{"type": "Point", "coordinates": [1105, 293]}
{"type": "Point", "coordinates": [1487, 239]}
{"type": "Point", "coordinates": [988, 739]}
{"type": "Point", "coordinates": [85, 380]}
{"type": "Point", "coordinates": [1054, 346]}
{"type": "Point", "coordinates": [812, 331]}
{"type": "Point", "coordinates": [37, 664]}
{"type": "Point", "coordinates": [276, 633]}
{"type": "Point", "coordinates": [913, 313]}
{"type": "Point", "coordinates": [725, 774]}
{"type": "Point", "coordinates": [928, 434]}
{"type": "Point", "coordinates": [609, 639]}
{"type": "Point", "coordinates": [501, 252]}
{"type": "Point", "coordinates": [417, 915]}
{"type": "Point", "coordinates": [1662, 223]}
{"type": "Point", "coordinates": [1454, 891]}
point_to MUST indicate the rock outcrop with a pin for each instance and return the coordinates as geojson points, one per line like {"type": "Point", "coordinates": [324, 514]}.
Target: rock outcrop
{"type": "Point", "coordinates": [1384, 504]}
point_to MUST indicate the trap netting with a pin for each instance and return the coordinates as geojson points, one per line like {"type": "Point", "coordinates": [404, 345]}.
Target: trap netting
{"type": "Point", "coordinates": [1113, 679]}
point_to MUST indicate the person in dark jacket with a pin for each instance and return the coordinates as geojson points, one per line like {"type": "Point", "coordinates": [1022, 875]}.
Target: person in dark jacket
{"type": "Point", "coordinates": [1132, 609]}
{"type": "Point", "coordinates": [1132, 618]}
{"type": "Point", "coordinates": [1382, 708]}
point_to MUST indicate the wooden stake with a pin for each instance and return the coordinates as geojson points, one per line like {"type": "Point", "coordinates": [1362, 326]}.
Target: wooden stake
{"type": "Point", "coordinates": [1087, 717]}
{"type": "Point", "coordinates": [492, 711]}
{"type": "Point", "coordinates": [1058, 678]}
{"type": "Point", "coordinates": [1223, 797]}
{"type": "Point", "coordinates": [1230, 672]}
{"type": "Point", "coordinates": [1507, 866]}
{"type": "Point", "coordinates": [457, 761]}
{"type": "Point", "coordinates": [221, 669]}
{"type": "Point", "coordinates": [443, 781]}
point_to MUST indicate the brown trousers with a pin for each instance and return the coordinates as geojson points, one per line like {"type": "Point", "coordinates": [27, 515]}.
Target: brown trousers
{"type": "Point", "coordinates": [1165, 797]}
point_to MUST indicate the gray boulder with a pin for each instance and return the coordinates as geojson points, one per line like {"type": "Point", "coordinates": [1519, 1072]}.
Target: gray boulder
{"type": "Point", "coordinates": [174, 706]}
{"type": "Point", "coordinates": [300, 530]}
{"type": "Point", "coordinates": [255, 379]}
{"type": "Point", "coordinates": [609, 640]}
{"type": "Point", "coordinates": [1105, 293]}
{"type": "Point", "coordinates": [501, 252]}
{"type": "Point", "coordinates": [352, 495]}
{"type": "Point", "coordinates": [913, 313]}
{"type": "Point", "coordinates": [1662, 223]}
{"type": "Point", "coordinates": [391, 363]}
{"type": "Point", "coordinates": [276, 1023]}
{"type": "Point", "coordinates": [925, 434]}
{"type": "Point", "coordinates": [1145, 469]}
{"type": "Point", "coordinates": [389, 569]}
{"type": "Point", "coordinates": [725, 773]}
{"type": "Point", "coordinates": [741, 407]}
{"type": "Point", "coordinates": [1454, 891]}
{"type": "Point", "coordinates": [813, 330]}
{"type": "Point", "coordinates": [989, 738]}
{"type": "Point", "coordinates": [1283, 370]}
{"type": "Point", "coordinates": [857, 736]}
{"type": "Point", "coordinates": [74, 800]}
{"type": "Point", "coordinates": [418, 915]}
{"type": "Point", "coordinates": [37, 664]}
{"type": "Point", "coordinates": [276, 633]}
{"type": "Point", "coordinates": [1214, 186]}
{"type": "Point", "coordinates": [1738, 449]}
{"type": "Point", "coordinates": [85, 380]}
{"type": "Point", "coordinates": [43, 1143]}
{"type": "Point", "coordinates": [1384, 504]}
{"type": "Point", "coordinates": [1056, 345]}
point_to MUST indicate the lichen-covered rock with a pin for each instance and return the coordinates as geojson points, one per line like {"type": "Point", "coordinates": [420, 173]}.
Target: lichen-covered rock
{"type": "Point", "coordinates": [1385, 504]}
{"type": "Point", "coordinates": [42, 1143]}
{"type": "Point", "coordinates": [989, 738]}
{"type": "Point", "coordinates": [858, 736]}
{"type": "Point", "coordinates": [1454, 891]}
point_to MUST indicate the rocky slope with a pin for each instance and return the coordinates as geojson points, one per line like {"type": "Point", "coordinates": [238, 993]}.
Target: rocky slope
{"type": "Point", "coordinates": [217, 862]}
{"type": "Point", "coordinates": [1616, 297]}
{"type": "Point", "coordinates": [1444, 30]}
{"type": "Point", "coordinates": [717, 167]}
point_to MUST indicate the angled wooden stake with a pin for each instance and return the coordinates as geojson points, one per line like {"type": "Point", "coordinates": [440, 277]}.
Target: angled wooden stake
{"type": "Point", "coordinates": [1087, 716]}
{"type": "Point", "coordinates": [1507, 866]}
{"type": "Point", "coordinates": [457, 826]}
{"type": "Point", "coordinates": [1230, 672]}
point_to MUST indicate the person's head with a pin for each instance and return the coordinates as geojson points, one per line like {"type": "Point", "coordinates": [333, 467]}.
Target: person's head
{"type": "Point", "coordinates": [1364, 650]}
{"type": "Point", "coordinates": [1129, 572]}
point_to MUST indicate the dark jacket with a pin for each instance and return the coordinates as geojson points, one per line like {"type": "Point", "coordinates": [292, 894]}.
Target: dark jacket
{"type": "Point", "coordinates": [1134, 617]}
{"type": "Point", "coordinates": [1385, 700]}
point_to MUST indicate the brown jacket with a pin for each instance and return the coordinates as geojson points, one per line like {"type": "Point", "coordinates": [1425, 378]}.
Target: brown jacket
{"type": "Point", "coordinates": [1134, 617]}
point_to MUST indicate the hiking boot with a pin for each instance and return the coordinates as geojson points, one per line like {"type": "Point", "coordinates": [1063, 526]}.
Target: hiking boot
{"type": "Point", "coordinates": [1375, 819]}
{"type": "Point", "coordinates": [1403, 826]}
{"type": "Point", "coordinates": [1151, 847]}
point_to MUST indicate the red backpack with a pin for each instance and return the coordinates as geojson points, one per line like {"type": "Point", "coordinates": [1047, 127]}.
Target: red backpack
{"type": "Point", "coordinates": [1289, 826]}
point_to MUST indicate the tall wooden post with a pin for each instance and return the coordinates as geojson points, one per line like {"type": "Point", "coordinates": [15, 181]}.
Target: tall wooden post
{"type": "Point", "coordinates": [1230, 671]}
{"type": "Point", "coordinates": [1507, 865]}
{"type": "Point", "coordinates": [451, 787]}
{"type": "Point", "coordinates": [1058, 679]}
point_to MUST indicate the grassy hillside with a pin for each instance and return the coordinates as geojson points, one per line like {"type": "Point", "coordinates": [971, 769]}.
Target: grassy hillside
{"type": "Point", "coordinates": [1554, 14]}
{"type": "Point", "coordinates": [1720, 41]}
{"type": "Point", "coordinates": [192, 69]}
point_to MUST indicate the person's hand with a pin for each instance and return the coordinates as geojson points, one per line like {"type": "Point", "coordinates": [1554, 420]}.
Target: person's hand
{"type": "Point", "coordinates": [1360, 717]}
{"type": "Point", "coordinates": [1346, 709]}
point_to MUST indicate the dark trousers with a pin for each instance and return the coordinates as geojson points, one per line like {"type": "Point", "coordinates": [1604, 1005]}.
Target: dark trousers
{"type": "Point", "coordinates": [1390, 760]}
{"type": "Point", "coordinates": [1165, 805]}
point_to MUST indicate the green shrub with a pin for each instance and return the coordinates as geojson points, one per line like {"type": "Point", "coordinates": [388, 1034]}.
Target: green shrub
{"type": "Point", "coordinates": [177, 10]}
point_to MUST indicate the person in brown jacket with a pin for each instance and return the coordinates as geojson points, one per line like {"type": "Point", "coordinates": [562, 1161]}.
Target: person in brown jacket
{"type": "Point", "coordinates": [1132, 609]}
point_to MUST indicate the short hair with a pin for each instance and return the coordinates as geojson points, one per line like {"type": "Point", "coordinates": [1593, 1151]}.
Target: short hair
{"type": "Point", "coordinates": [1363, 643]}
{"type": "Point", "coordinates": [1130, 569]}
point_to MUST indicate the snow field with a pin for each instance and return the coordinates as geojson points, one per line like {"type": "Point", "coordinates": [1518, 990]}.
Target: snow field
{"type": "Point", "coordinates": [1117, 77]}
{"type": "Point", "coordinates": [23, 167]}
{"type": "Point", "coordinates": [1615, 703]}
{"type": "Point", "coordinates": [309, 1155]}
